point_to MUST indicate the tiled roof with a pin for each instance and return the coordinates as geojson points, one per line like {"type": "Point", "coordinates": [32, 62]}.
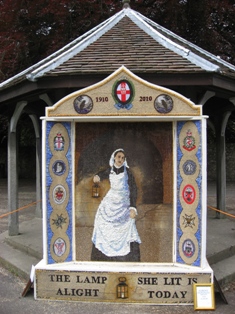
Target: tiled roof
{"type": "Point", "coordinates": [127, 38]}
{"type": "Point", "coordinates": [125, 44]}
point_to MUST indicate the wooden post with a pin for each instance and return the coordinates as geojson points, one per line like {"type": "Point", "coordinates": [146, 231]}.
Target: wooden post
{"type": "Point", "coordinates": [221, 162]}
{"type": "Point", "coordinates": [13, 220]}
{"type": "Point", "coordinates": [38, 212]}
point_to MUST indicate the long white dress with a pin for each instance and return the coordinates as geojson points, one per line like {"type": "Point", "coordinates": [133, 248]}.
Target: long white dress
{"type": "Point", "coordinates": [114, 230]}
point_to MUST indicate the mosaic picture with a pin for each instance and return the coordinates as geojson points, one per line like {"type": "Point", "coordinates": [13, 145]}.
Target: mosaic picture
{"type": "Point", "coordinates": [123, 192]}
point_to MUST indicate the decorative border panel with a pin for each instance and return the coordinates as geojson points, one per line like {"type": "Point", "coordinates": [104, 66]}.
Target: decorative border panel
{"type": "Point", "coordinates": [59, 192]}
{"type": "Point", "coordinates": [189, 179]}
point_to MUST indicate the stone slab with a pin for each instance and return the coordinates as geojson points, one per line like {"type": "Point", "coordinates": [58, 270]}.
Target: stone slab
{"type": "Point", "coordinates": [148, 288]}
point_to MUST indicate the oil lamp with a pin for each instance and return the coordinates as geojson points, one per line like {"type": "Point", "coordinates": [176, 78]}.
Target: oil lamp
{"type": "Point", "coordinates": [95, 189]}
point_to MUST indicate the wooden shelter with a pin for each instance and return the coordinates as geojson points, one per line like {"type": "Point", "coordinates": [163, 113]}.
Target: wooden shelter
{"type": "Point", "coordinates": [147, 49]}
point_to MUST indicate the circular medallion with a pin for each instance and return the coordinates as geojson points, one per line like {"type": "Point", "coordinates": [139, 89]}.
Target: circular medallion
{"type": "Point", "coordinates": [189, 194]}
{"type": "Point", "coordinates": [123, 92]}
{"type": "Point", "coordinates": [83, 104]}
{"type": "Point", "coordinates": [59, 247]}
{"type": "Point", "coordinates": [59, 194]}
{"type": "Point", "coordinates": [59, 167]}
{"type": "Point", "coordinates": [188, 248]}
{"type": "Point", "coordinates": [189, 167]}
{"type": "Point", "coordinates": [163, 103]}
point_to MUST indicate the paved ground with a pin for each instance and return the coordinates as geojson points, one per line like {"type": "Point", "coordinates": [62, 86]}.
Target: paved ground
{"type": "Point", "coordinates": [27, 195]}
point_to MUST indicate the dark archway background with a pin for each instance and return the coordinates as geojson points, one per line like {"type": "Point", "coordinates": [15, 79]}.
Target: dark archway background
{"type": "Point", "coordinates": [143, 144]}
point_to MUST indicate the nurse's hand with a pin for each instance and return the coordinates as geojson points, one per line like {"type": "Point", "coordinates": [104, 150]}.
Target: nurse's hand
{"type": "Point", "coordinates": [96, 179]}
{"type": "Point", "coordinates": [132, 213]}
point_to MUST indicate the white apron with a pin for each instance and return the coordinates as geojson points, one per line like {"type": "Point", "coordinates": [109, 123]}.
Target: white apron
{"type": "Point", "coordinates": [114, 230]}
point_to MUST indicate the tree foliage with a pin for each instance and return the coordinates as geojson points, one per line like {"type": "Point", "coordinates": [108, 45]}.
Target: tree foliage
{"type": "Point", "coordinates": [209, 24]}
{"type": "Point", "coordinates": [31, 30]}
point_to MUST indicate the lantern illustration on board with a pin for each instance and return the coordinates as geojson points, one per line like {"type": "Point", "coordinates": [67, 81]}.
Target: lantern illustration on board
{"type": "Point", "coordinates": [122, 288]}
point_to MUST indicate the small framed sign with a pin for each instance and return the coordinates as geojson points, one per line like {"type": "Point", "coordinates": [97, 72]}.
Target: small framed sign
{"type": "Point", "coordinates": [204, 297]}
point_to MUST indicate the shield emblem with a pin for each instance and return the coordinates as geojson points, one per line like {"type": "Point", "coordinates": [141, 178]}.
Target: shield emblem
{"type": "Point", "coordinates": [123, 93]}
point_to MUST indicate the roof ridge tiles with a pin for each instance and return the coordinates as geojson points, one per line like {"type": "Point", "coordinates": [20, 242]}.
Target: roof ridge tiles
{"type": "Point", "coordinates": [147, 25]}
{"type": "Point", "coordinates": [186, 42]}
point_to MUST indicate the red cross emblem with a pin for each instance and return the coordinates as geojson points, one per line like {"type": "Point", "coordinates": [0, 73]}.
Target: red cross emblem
{"type": "Point", "coordinates": [123, 92]}
{"type": "Point", "coordinates": [59, 142]}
